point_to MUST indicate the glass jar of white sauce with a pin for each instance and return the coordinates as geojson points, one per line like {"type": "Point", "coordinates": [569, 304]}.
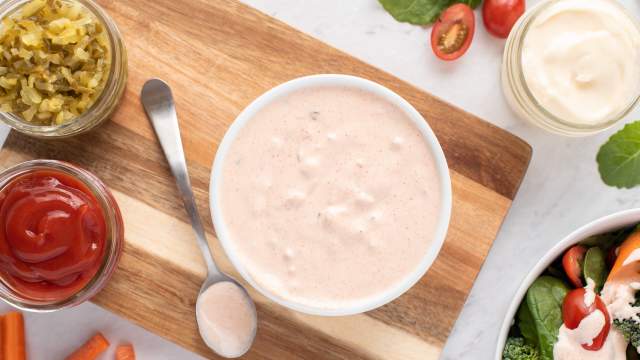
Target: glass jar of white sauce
{"type": "Point", "coordinates": [572, 67]}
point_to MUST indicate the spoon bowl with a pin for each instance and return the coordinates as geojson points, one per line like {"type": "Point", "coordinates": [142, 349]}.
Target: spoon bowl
{"type": "Point", "coordinates": [227, 329]}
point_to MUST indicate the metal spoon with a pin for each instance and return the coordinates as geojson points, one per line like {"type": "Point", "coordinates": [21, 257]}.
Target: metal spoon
{"type": "Point", "coordinates": [158, 103]}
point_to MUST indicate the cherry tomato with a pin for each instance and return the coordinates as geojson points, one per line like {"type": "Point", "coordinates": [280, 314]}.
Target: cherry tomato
{"type": "Point", "coordinates": [499, 16]}
{"type": "Point", "coordinates": [574, 310]}
{"type": "Point", "coordinates": [452, 33]}
{"type": "Point", "coordinates": [572, 263]}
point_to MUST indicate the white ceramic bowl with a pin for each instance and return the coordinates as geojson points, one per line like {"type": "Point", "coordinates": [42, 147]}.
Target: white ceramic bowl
{"type": "Point", "coordinates": [600, 226]}
{"type": "Point", "coordinates": [336, 80]}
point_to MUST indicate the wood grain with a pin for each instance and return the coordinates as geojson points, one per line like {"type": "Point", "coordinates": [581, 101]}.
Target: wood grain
{"type": "Point", "coordinates": [218, 56]}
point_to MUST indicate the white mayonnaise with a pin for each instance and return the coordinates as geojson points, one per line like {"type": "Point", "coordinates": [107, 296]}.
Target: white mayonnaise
{"type": "Point", "coordinates": [580, 60]}
{"type": "Point", "coordinates": [569, 345]}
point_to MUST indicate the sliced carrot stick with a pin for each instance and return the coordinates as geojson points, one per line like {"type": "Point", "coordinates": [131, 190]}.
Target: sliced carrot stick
{"type": "Point", "coordinates": [13, 346]}
{"type": "Point", "coordinates": [628, 246]}
{"type": "Point", "coordinates": [91, 349]}
{"type": "Point", "coordinates": [1, 335]}
{"type": "Point", "coordinates": [125, 352]}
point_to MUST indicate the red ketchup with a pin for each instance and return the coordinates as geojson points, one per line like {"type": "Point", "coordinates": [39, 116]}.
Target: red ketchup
{"type": "Point", "coordinates": [52, 235]}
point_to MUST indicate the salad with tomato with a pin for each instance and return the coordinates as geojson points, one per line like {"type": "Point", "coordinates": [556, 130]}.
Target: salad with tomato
{"type": "Point", "coordinates": [586, 305]}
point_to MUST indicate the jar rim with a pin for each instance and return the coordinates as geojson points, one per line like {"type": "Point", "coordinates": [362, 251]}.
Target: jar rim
{"type": "Point", "coordinates": [551, 120]}
{"type": "Point", "coordinates": [104, 105]}
{"type": "Point", "coordinates": [114, 236]}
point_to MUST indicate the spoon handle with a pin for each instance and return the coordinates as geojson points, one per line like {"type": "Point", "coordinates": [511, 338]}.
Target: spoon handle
{"type": "Point", "coordinates": [158, 103]}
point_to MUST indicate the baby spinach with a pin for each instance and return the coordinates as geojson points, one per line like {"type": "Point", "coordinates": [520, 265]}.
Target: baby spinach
{"type": "Point", "coordinates": [619, 158]}
{"type": "Point", "coordinates": [594, 267]}
{"type": "Point", "coordinates": [540, 315]}
{"type": "Point", "coordinates": [608, 240]}
{"type": "Point", "coordinates": [421, 12]}
{"type": "Point", "coordinates": [527, 325]}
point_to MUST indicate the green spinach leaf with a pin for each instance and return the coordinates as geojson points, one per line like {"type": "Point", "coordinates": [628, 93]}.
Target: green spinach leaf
{"type": "Point", "coordinates": [595, 267]}
{"type": "Point", "coordinates": [608, 240]}
{"type": "Point", "coordinates": [619, 158]}
{"type": "Point", "coordinates": [526, 324]}
{"type": "Point", "coordinates": [544, 301]}
{"type": "Point", "coordinates": [421, 12]}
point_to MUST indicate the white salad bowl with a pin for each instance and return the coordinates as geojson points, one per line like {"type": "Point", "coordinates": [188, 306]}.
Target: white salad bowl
{"type": "Point", "coordinates": [333, 80]}
{"type": "Point", "coordinates": [602, 225]}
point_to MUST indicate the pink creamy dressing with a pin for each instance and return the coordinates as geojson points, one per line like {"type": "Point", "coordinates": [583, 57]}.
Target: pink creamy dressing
{"type": "Point", "coordinates": [227, 319]}
{"type": "Point", "coordinates": [620, 290]}
{"type": "Point", "coordinates": [569, 345]}
{"type": "Point", "coordinates": [618, 293]}
{"type": "Point", "coordinates": [331, 196]}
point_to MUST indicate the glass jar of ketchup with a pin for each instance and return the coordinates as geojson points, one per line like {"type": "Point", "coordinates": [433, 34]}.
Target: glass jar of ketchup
{"type": "Point", "coordinates": [61, 235]}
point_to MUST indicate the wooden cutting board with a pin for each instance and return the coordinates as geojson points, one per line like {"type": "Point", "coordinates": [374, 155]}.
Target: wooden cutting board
{"type": "Point", "coordinates": [218, 56]}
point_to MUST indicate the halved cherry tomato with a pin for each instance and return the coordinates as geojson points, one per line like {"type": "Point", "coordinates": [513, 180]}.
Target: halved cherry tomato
{"type": "Point", "coordinates": [574, 310]}
{"type": "Point", "coordinates": [499, 16]}
{"type": "Point", "coordinates": [452, 33]}
{"type": "Point", "coordinates": [572, 263]}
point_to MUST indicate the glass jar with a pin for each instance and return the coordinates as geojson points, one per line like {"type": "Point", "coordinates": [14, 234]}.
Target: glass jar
{"type": "Point", "coordinates": [108, 100]}
{"type": "Point", "coordinates": [519, 95]}
{"type": "Point", "coordinates": [113, 245]}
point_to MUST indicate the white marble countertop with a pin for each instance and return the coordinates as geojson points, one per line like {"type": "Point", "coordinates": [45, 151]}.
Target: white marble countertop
{"type": "Point", "coordinates": [561, 191]}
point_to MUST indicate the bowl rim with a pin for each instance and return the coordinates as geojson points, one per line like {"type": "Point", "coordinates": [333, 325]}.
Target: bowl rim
{"type": "Point", "coordinates": [598, 226]}
{"type": "Point", "coordinates": [432, 142]}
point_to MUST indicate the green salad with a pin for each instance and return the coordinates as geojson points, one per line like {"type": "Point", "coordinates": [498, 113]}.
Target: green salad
{"type": "Point", "coordinates": [585, 305]}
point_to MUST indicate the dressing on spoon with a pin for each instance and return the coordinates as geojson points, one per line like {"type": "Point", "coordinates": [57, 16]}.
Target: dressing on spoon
{"type": "Point", "coordinates": [225, 313]}
{"type": "Point", "coordinates": [227, 320]}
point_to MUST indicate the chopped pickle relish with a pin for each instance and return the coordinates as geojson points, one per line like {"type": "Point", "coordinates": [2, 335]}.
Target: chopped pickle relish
{"type": "Point", "coordinates": [54, 61]}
